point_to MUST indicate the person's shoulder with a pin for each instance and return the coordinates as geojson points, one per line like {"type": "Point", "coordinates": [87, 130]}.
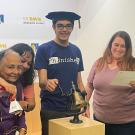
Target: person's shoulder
{"type": "Point", "coordinates": [73, 46]}
{"type": "Point", "coordinates": [46, 45]}
{"type": "Point", "coordinates": [133, 63]}
{"type": "Point", "coordinates": [98, 60]}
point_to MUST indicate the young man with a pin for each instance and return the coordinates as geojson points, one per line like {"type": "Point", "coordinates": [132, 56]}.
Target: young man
{"type": "Point", "coordinates": [59, 63]}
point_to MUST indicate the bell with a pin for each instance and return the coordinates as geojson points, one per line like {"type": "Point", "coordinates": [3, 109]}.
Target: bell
{"type": "Point", "coordinates": [79, 104]}
{"type": "Point", "coordinates": [78, 100]}
{"type": "Point", "coordinates": [15, 107]}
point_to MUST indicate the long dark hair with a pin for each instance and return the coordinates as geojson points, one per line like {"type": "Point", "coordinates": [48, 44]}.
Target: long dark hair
{"type": "Point", "coordinates": [27, 77]}
{"type": "Point", "coordinates": [127, 62]}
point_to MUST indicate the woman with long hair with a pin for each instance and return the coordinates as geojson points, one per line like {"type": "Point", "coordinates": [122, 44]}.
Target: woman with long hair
{"type": "Point", "coordinates": [112, 104]}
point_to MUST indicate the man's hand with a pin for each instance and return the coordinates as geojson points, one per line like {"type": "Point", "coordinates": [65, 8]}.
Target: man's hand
{"type": "Point", "coordinates": [51, 84]}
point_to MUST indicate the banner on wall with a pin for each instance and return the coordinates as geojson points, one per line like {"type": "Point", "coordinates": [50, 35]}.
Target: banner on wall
{"type": "Point", "coordinates": [3, 46]}
{"type": "Point", "coordinates": [1, 18]}
{"type": "Point", "coordinates": [33, 20]}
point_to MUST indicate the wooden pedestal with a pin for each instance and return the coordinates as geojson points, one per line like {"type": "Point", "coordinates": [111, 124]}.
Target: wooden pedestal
{"type": "Point", "coordinates": [62, 126]}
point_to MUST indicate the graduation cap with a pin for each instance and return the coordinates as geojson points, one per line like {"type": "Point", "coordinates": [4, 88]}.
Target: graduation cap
{"type": "Point", "coordinates": [63, 15]}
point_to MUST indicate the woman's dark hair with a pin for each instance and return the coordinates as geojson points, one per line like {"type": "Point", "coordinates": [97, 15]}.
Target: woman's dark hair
{"type": "Point", "coordinates": [27, 77]}
{"type": "Point", "coordinates": [127, 62]}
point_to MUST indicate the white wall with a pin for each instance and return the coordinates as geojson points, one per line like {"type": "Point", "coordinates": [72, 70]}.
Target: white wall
{"type": "Point", "coordinates": [14, 30]}
{"type": "Point", "coordinates": [100, 20]}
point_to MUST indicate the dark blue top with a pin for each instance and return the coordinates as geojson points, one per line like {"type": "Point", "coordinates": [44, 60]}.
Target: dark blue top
{"type": "Point", "coordinates": [62, 63]}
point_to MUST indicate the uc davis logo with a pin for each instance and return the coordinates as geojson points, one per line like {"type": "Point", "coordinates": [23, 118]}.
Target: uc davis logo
{"type": "Point", "coordinates": [33, 20]}
{"type": "Point", "coordinates": [35, 46]}
{"type": "Point", "coordinates": [1, 19]}
{"type": "Point", "coordinates": [3, 46]}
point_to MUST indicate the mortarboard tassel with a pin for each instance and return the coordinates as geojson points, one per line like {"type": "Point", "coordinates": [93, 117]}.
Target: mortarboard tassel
{"type": "Point", "coordinates": [79, 23]}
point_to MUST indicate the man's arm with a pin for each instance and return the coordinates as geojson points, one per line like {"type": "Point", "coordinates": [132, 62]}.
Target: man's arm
{"type": "Point", "coordinates": [45, 83]}
{"type": "Point", "coordinates": [80, 82]}
{"type": "Point", "coordinates": [89, 90]}
{"type": "Point", "coordinates": [42, 74]}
